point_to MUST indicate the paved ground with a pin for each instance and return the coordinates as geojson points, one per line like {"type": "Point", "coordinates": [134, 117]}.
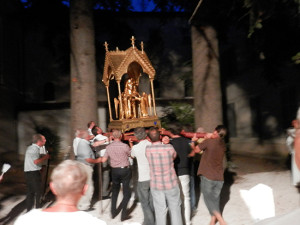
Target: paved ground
{"type": "Point", "coordinates": [246, 174]}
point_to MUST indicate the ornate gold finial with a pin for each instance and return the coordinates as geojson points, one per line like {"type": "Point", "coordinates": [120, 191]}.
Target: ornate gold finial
{"type": "Point", "coordinates": [142, 46]}
{"type": "Point", "coordinates": [132, 41]}
{"type": "Point", "coordinates": [106, 46]}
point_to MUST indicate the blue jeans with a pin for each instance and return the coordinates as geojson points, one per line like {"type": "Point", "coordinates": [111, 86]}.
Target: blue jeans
{"type": "Point", "coordinates": [211, 190]}
{"type": "Point", "coordinates": [145, 198]}
{"type": "Point", "coordinates": [164, 200]}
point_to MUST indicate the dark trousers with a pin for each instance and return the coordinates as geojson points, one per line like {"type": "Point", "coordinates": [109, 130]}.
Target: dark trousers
{"type": "Point", "coordinates": [33, 196]}
{"type": "Point", "coordinates": [118, 176]}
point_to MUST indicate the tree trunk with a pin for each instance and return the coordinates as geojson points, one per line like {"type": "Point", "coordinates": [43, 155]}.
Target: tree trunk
{"type": "Point", "coordinates": [206, 77]}
{"type": "Point", "coordinates": [83, 66]}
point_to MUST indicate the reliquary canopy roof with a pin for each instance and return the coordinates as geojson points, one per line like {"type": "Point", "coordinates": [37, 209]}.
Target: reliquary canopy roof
{"type": "Point", "coordinates": [131, 61]}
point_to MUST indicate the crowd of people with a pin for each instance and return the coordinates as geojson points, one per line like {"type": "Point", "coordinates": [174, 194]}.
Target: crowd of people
{"type": "Point", "coordinates": [165, 184]}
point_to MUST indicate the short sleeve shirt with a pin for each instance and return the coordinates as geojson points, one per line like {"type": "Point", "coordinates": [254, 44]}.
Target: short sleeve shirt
{"type": "Point", "coordinates": [118, 153]}
{"type": "Point", "coordinates": [162, 172]}
{"type": "Point", "coordinates": [182, 162]}
{"type": "Point", "coordinates": [32, 153]}
{"type": "Point", "coordinates": [37, 217]}
{"type": "Point", "coordinates": [84, 151]}
{"type": "Point", "coordinates": [100, 137]}
{"type": "Point", "coordinates": [101, 148]}
{"type": "Point", "coordinates": [139, 152]}
{"type": "Point", "coordinates": [211, 164]}
{"type": "Point", "coordinates": [75, 144]}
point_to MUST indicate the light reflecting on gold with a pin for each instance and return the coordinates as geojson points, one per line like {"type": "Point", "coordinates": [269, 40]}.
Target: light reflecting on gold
{"type": "Point", "coordinates": [131, 107]}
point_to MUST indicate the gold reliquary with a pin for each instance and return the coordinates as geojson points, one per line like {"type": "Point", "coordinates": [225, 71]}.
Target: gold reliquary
{"type": "Point", "coordinates": [128, 77]}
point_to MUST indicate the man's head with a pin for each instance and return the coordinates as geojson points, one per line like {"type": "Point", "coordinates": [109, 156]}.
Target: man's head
{"type": "Point", "coordinates": [117, 134]}
{"type": "Point", "coordinates": [84, 134]}
{"type": "Point", "coordinates": [68, 178]}
{"type": "Point", "coordinates": [38, 139]}
{"type": "Point", "coordinates": [77, 133]}
{"type": "Point", "coordinates": [165, 140]}
{"type": "Point", "coordinates": [81, 133]}
{"type": "Point", "coordinates": [175, 129]}
{"type": "Point", "coordinates": [200, 130]}
{"type": "Point", "coordinates": [221, 131]}
{"type": "Point", "coordinates": [96, 130]}
{"type": "Point", "coordinates": [154, 134]}
{"type": "Point", "coordinates": [140, 133]}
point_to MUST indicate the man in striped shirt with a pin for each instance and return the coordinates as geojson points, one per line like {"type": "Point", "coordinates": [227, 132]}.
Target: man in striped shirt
{"type": "Point", "coordinates": [163, 180]}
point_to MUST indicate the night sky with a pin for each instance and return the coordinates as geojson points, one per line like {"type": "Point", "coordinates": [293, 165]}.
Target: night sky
{"type": "Point", "coordinates": [136, 4]}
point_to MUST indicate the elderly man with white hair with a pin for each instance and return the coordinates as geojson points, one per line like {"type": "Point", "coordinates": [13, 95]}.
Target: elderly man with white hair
{"type": "Point", "coordinates": [86, 156]}
{"type": "Point", "coordinates": [68, 184]}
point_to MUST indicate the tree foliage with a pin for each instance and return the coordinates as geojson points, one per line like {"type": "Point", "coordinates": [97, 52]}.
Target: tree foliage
{"type": "Point", "coordinates": [183, 113]}
{"type": "Point", "coordinates": [296, 58]}
{"type": "Point", "coordinates": [260, 12]}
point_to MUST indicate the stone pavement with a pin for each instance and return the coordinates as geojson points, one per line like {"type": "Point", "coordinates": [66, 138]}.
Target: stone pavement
{"type": "Point", "coordinates": [247, 173]}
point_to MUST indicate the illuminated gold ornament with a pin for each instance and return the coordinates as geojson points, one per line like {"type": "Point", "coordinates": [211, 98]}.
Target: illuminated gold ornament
{"type": "Point", "coordinates": [131, 108]}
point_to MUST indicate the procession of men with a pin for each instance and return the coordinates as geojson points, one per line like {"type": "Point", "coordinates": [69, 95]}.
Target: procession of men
{"type": "Point", "coordinates": [163, 181]}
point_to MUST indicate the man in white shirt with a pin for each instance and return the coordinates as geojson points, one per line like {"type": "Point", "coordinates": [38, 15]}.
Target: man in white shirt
{"type": "Point", "coordinates": [99, 139]}
{"type": "Point", "coordinates": [143, 186]}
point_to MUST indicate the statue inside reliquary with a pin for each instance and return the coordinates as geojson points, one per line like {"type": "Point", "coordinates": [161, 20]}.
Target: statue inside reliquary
{"type": "Point", "coordinates": [132, 108]}
{"type": "Point", "coordinates": [134, 105]}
